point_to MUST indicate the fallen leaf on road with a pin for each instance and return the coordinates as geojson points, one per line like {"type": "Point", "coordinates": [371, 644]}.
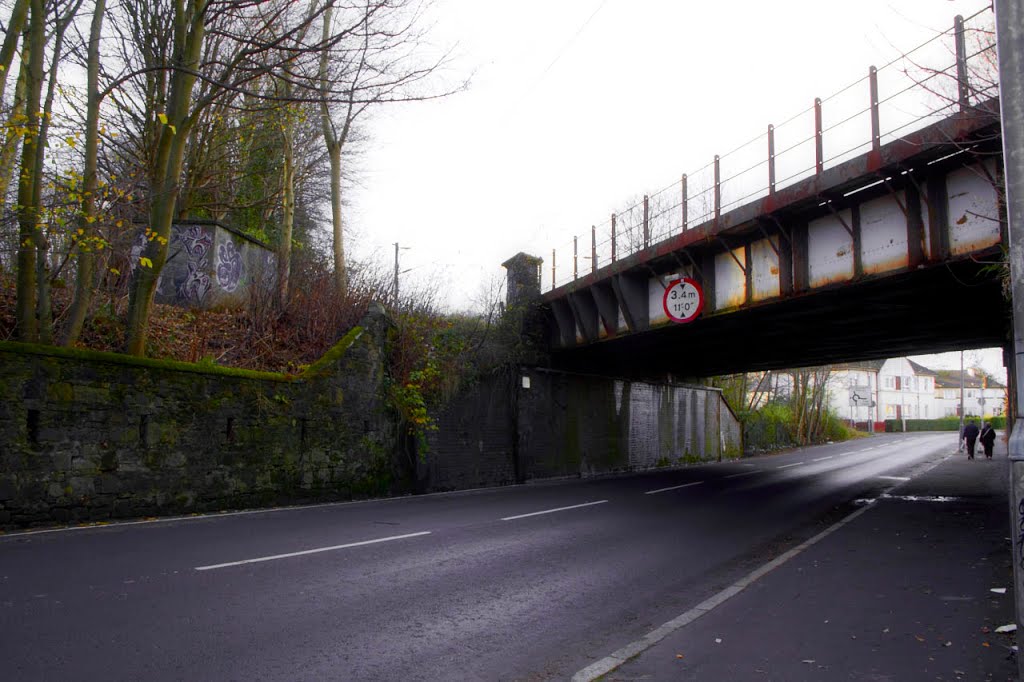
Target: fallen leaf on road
{"type": "Point", "coordinates": [1012, 627]}
{"type": "Point", "coordinates": [808, 661]}
{"type": "Point", "coordinates": [919, 638]}
{"type": "Point", "coordinates": [998, 590]}
{"type": "Point", "coordinates": [718, 640]}
{"type": "Point", "coordinates": [679, 655]}
{"type": "Point", "coordinates": [985, 644]}
{"type": "Point", "coordinates": [948, 644]}
{"type": "Point", "coordinates": [885, 630]}
{"type": "Point", "coordinates": [984, 628]}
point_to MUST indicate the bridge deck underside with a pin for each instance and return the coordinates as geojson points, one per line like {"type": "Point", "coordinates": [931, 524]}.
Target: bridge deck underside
{"type": "Point", "coordinates": [943, 307]}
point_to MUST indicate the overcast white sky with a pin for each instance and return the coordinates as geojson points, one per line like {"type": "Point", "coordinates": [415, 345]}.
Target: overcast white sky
{"type": "Point", "coordinates": [577, 107]}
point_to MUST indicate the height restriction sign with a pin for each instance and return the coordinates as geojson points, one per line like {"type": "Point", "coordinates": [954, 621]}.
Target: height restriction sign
{"type": "Point", "coordinates": [683, 300]}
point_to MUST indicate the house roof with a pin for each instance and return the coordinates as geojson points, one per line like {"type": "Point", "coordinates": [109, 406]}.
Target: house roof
{"type": "Point", "coordinates": [866, 365]}
{"type": "Point", "coordinates": [921, 369]}
{"type": "Point", "coordinates": [950, 378]}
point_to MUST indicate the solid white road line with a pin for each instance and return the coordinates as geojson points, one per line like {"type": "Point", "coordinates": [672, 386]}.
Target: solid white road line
{"type": "Point", "coordinates": [617, 658]}
{"type": "Point", "coordinates": [794, 464]}
{"type": "Point", "coordinates": [675, 487]}
{"type": "Point", "coordinates": [552, 511]}
{"type": "Point", "coordinates": [745, 473]}
{"type": "Point", "coordinates": [311, 551]}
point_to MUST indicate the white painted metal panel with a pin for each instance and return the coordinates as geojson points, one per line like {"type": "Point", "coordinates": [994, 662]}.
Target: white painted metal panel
{"type": "Point", "coordinates": [830, 250]}
{"type": "Point", "coordinates": [655, 298]}
{"type": "Point", "coordinates": [764, 275]}
{"type": "Point", "coordinates": [883, 234]}
{"type": "Point", "coordinates": [730, 280]}
{"type": "Point", "coordinates": [973, 210]}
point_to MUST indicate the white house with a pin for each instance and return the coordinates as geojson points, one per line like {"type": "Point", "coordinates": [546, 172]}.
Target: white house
{"type": "Point", "coordinates": [896, 388]}
{"type": "Point", "coordinates": [983, 395]}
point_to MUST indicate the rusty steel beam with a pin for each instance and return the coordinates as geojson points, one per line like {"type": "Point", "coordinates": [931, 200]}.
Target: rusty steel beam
{"type": "Point", "coordinates": [912, 150]}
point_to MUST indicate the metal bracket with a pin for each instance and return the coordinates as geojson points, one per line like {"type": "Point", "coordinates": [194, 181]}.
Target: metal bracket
{"type": "Point", "coordinates": [785, 233]}
{"type": "Point", "coordinates": [894, 193]}
{"type": "Point", "coordinates": [837, 214]}
{"type": "Point", "coordinates": [693, 262]}
{"type": "Point", "coordinates": [767, 236]}
{"type": "Point", "coordinates": [728, 250]}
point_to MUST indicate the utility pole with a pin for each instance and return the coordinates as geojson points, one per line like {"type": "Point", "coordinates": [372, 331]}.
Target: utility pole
{"type": "Point", "coordinates": [963, 405]}
{"type": "Point", "coordinates": [1010, 46]}
{"type": "Point", "coordinates": [395, 288]}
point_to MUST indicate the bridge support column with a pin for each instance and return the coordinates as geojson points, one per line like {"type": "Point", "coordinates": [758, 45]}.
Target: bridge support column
{"type": "Point", "coordinates": [523, 279]}
{"type": "Point", "coordinates": [1010, 39]}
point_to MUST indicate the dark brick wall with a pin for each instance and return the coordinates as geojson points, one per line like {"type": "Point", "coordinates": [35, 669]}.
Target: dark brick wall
{"type": "Point", "coordinates": [499, 430]}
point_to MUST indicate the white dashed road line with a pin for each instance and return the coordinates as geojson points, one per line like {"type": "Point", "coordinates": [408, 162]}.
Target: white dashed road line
{"type": "Point", "coordinates": [675, 487]}
{"type": "Point", "coordinates": [794, 464]}
{"type": "Point", "coordinates": [311, 551]}
{"type": "Point", "coordinates": [745, 473]}
{"type": "Point", "coordinates": [552, 511]}
{"type": "Point", "coordinates": [822, 459]}
{"type": "Point", "coordinates": [896, 478]}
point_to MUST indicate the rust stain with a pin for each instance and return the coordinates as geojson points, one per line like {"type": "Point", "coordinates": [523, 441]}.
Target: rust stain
{"type": "Point", "coordinates": [842, 252]}
{"type": "Point", "coordinates": [898, 262]}
{"type": "Point", "coordinates": [735, 300]}
{"type": "Point", "coordinates": [835, 278]}
{"type": "Point", "coordinates": [774, 270]}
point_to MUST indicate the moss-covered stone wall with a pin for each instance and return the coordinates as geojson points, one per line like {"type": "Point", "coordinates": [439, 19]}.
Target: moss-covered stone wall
{"type": "Point", "coordinates": [90, 436]}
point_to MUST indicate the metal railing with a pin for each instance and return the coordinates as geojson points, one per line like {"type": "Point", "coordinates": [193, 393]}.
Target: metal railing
{"type": "Point", "coordinates": [952, 71]}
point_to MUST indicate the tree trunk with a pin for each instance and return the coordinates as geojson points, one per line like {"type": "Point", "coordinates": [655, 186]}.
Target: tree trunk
{"type": "Point", "coordinates": [86, 256]}
{"type": "Point", "coordinates": [28, 210]}
{"type": "Point", "coordinates": [15, 25]}
{"type": "Point", "coordinates": [165, 173]}
{"type": "Point", "coordinates": [9, 150]}
{"type": "Point", "coordinates": [340, 273]}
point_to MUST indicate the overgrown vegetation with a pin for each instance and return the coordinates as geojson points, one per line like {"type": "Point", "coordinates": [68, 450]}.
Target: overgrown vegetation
{"type": "Point", "coordinates": [784, 409]}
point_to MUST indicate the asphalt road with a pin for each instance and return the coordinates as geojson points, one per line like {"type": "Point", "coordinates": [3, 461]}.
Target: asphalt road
{"type": "Point", "coordinates": [528, 582]}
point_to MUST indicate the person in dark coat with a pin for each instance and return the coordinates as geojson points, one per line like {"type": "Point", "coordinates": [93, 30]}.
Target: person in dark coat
{"type": "Point", "coordinates": [970, 435]}
{"type": "Point", "coordinates": [988, 439]}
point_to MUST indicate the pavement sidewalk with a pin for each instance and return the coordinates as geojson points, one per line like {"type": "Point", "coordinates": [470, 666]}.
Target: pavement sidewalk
{"type": "Point", "coordinates": [901, 592]}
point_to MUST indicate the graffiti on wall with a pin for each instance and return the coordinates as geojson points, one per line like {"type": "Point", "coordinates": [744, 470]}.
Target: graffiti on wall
{"type": "Point", "coordinates": [229, 266]}
{"type": "Point", "coordinates": [195, 243]}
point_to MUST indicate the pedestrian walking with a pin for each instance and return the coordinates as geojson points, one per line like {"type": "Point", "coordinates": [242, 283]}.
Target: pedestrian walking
{"type": "Point", "coordinates": [969, 436]}
{"type": "Point", "coordinates": [988, 439]}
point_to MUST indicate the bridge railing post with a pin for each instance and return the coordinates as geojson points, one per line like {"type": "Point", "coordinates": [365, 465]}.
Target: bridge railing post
{"type": "Point", "coordinates": [685, 199]}
{"type": "Point", "coordinates": [554, 279]}
{"type": "Point", "coordinates": [593, 248]}
{"type": "Point", "coordinates": [962, 83]}
{"type": "Point", "coordinates": [613, 238]}
{"type": "Point", "coordinates": [771, 160]}
{"type": "Point", "coordinates": [718, 188]}
{"type": "Point", "coordinates": [876, 127]}
{"type": "Point", "coordinates": [575, 260]}
{"type": "Point", "coordinates": [819, 152]}
{"type": "Point", "coordinates": [647, 223]}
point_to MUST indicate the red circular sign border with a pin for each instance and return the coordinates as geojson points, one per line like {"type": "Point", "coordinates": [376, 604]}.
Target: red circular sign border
{"type": "Point", "coordinates": [700, 300]}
